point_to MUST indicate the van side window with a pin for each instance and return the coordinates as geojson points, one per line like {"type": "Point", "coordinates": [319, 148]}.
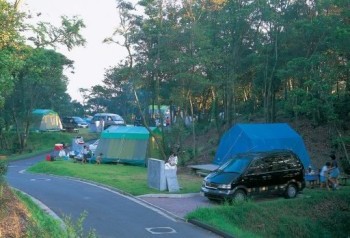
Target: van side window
{"type": "Point", "coordinates": [291, 162]}
{"type": "Point", "coordinates": [259, 166]}
{"type": "Point", "coordinates": [278, 163]}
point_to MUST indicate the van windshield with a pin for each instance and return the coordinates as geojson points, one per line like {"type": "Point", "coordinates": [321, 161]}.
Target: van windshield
{"type": "Point", "coordinates": [236, 165]}
{"type": "Point", "coordinates": [78, 119]}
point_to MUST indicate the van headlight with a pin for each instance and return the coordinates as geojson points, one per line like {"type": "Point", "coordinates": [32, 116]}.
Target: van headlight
{"type": "Point", "coordinates": [204, 182]}
{"type": "Point", "coordinates": [224, 186]}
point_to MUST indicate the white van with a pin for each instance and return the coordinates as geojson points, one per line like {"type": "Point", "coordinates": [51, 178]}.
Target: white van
{"type": "Point", "coordinates": [104, 120]}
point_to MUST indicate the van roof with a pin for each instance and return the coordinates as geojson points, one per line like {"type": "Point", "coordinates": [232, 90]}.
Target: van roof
{"type": "Point", "coordinates": [105, 114]}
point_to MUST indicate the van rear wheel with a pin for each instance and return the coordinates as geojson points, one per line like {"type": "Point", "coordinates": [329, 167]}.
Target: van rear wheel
{"type": "Point", "coordinates": [291, 191]}
{"type": "Point", "coordinates": [239, 196]}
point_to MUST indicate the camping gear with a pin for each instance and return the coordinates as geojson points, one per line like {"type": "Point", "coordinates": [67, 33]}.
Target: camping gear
{"type": "Point", "coordinates": [126, 144]}
{"type": "Point", "coordinates": [48, 157]}
{"type": "Point", "coordinates": [260, 137]}
{"type": "Point", "coordinates": [58, 147]}
{"type": "Point", "coordinates": [77, 145]}
{"type": "Point", "coordinates": [45, 120]}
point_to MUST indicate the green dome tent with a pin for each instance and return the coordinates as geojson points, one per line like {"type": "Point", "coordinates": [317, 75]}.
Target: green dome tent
{"type": "Point", "coordinates": [127, 144]}
{"type": "Point", "coordinates": [45, 120]}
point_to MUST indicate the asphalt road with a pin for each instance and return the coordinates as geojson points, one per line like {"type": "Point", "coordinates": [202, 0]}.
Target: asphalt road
{"type": "Point", "coordinates": [110, 213]}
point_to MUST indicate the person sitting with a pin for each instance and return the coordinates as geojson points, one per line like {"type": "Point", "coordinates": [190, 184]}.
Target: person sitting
{"type": "Point", "coordinates": [172, 162]}
{"type": "Point", "coordinates": [311, 177]}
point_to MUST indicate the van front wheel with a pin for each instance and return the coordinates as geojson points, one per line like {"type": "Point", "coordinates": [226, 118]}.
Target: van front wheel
{"type": "Point", "coordinates": [239, 196]}
{"type": "Point", "coordinates": [291, 191]}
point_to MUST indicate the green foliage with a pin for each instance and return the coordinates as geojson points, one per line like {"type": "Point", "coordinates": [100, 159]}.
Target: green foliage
{"type": "Point", "coordinates": [226, 62]}
{"type": "Point", "coordinates": [76, 229]}
{"type": "Point", "coordinates": [3, 168]}
{"type": "Point", "coordinates": [67, 34]}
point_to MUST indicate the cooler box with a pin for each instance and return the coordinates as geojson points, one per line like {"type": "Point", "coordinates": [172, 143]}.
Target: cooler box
{"type": "Point", "coordinates": [58, 147]}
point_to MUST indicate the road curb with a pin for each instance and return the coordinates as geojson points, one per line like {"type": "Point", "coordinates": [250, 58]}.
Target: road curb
{"type": "Point", "coordinates": [210, 228]}
{"type": "Point", "coordinates": [156, 195]}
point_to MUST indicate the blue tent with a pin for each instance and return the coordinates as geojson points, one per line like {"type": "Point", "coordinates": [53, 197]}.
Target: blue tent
{"type": "Point", "coordinates": [260, 137]}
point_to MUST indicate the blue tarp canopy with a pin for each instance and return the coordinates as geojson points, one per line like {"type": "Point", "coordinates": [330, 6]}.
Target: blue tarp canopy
{"type": "Point", "coordinates": [260, 137]}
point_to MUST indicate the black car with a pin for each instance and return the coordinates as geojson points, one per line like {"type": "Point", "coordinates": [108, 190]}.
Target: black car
{"type": "Point", "coordinates": [71, 123]}
{"type": "Point", "coordinates": [259, 173]}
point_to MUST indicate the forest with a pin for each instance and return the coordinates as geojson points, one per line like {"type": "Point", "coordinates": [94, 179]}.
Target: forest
{"type": "Point", "coordinates": [214, 61]}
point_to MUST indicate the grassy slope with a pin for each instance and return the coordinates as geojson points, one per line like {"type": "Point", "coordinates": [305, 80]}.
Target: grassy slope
{"type": "Point", "coordinates": [316, 213]}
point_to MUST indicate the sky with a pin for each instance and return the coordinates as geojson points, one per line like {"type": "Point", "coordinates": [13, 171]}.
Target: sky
{"type": "Point", "coordinates": [90, 62]}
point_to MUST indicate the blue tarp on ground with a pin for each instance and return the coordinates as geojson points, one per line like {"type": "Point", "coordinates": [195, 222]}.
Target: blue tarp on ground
{"type": "Point", "coordinates": [260, 137]}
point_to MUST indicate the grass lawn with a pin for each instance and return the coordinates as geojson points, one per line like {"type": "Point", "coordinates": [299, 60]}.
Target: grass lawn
{"type": "Point", "coordinates": [130, 179]}
{"type": "Point", "coordinates": [316, 213]}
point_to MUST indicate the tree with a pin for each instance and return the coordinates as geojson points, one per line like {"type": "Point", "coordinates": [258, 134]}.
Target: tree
{"type": "Point", "coordinates": [10, 43]}
{"type": "Point", "coordinates": [38, 84]}
{"type": "Point", "coordinates": [67, 34]}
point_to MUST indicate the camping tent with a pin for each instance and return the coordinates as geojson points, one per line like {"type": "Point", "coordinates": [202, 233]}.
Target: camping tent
{"type": "Point", "coordinates": [260, 137]}
{"type": "Point", "coordinates": [126, 144]}
{"type": "Point", "coordinates": [45, 120]}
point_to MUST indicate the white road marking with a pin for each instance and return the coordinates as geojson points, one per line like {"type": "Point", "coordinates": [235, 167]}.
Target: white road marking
{"type": "Point", "coordinates": [161, 230]}
{"type": "Point", "coordinates": [43, 179]}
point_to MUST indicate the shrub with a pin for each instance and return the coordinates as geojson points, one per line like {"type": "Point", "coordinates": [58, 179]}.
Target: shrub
{"type": "Point", "coordinates": [3, 167]}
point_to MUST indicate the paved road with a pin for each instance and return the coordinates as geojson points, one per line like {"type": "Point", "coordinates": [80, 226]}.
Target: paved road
{"type": "Point", "coordinates": [110, 213]}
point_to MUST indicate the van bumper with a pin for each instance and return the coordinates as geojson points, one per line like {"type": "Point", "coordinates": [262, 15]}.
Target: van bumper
{"type": "Point", "coordinates": [218, 194]}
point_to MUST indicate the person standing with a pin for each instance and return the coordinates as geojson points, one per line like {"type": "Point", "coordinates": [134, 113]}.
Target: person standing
{"type": "Point", "coordinates": [334, 174]}
{"type": "Point", "coordinates": [167, 121]}
{"type": "Point", "coordinates": [86, 154]}
{"type": "Point", "coordinates": [324, 175]}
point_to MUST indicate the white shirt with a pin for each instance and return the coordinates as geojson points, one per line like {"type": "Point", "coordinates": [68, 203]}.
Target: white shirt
{"type": "Point", "coordinates": [324, 170]}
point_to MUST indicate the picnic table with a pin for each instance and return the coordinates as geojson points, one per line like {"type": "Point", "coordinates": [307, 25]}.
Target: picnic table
{"type": "Point", "coordinates": [343, 179]}
{"type": "Point", "coordinates": [312, 179]}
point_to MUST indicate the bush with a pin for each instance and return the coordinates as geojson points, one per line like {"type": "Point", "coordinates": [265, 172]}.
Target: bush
{"type": "Point", "coordinates": [345, 165]}
{"type": "Point", "coordinates": [3, 167]}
